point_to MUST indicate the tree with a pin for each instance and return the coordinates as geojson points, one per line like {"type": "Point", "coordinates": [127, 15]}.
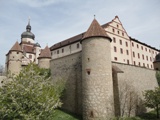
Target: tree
{"type": "Point", "coordinates": [1, 69]}
{"type": "Point", "coordinates": [30, 95]}
{"type": "Point", "coordinates": [152, 99]}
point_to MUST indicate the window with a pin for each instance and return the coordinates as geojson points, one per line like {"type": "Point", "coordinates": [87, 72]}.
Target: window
{"type": "Point", "coordinates": [132, 44]}
{"type": "Point", "coordinates": [17, 52]}
{"type": "Point", "coordinates": [149, 50]}
{"type": "Point", "coordinates": [153, 52]}
{"type": "Point", "coordinates": [30, 56]}
{"type": "Point", "coordinates": [120, 41]}
{"type": "Point", "coordinates": [133, 54]}
{"type": "Point", "coordinates": [126, 44]}
{"type": "Point", "coordinates": [137, 46]}
{"type": "Point", "coordinates": [139, 64]}
{"type": "Point", "coordinates": [115, 58]}
{"type": "Point", "coordinates": [150, 59]}
{"type": "Point", "coordinates": [57, 51]}
{"type": "Point", "coordinates": [115, 49]}
{"type": "Point", "coordinates": [134, 63]}
{"type": "Point", "coordinates": [121, 50]}
{"type": "Point", "coordinates": [147, 58]}
{"type": "Point", "coordinates": [78, 45]}
{"type": "Point", "coordinates": [138, 55]}
{"type": "Point", "coordinates": [143, 57]}
{"type": "Point", "coordinates": [118, 32]}
{"type": "Point", "coordinates": [127, 52]}
{"type": "Point", "coordinates": [62, 50]}
{"type": "Point", "coordinates": [117, 26]}
{"type": "Point", "coordinates": [142, 47]}
{"type": "Point", "coordinates": [143, 64]}
{"type": "Point", "coordinates": [151, 66]}
{"type": "Point", "coordinates": [127, 61]}
{"type": "Point", "coordinates": [146, 49]}
{"type": "Point", "coordinates": [114, 39]}
{"type": "Point", "coordinates": [122, 34]}
{"type": "Point", "coordinates": [113, 30]}
{"type": "Point", "coordinates": [147, 65]}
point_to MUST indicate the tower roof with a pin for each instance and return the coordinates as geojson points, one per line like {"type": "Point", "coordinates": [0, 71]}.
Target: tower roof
{"type": "Point", "coordinates": [16, 47]}
{"type": "Point", "coordinates": [28, 33]}
{"type": "Point", "coordinates": [157, 58]}
{"type": "Point", "coordinates": [45, 53]}
{"type": "Point", "coordinates": [95, 30]}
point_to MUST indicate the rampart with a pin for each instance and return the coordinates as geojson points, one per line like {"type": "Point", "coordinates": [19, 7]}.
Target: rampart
{"type": "Point", "coordinates": [69, 68]}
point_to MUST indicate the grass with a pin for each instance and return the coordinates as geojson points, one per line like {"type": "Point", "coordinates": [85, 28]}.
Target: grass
{"type": "Point", "coordinates": [62, 115]}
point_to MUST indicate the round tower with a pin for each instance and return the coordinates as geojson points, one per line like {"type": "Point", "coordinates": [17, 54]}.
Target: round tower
{"type": "Point", "coordinates": [14, 59]}
{"type": "Point", "coordinates": [156, 62]}
{"type": "Point", "coordinates": [97, 85]}
{"type": "Point", "coordinates": [44, 58]}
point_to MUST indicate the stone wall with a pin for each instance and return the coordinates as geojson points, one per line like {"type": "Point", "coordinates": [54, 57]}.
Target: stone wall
{"type": "Point", "coordinates": [69, 69]}
{"type": "Point", "coordinates": [139, 77]}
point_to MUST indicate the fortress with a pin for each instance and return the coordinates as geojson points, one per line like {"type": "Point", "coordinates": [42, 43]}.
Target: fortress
{"type": "Point", "coordinates": [105, 70]}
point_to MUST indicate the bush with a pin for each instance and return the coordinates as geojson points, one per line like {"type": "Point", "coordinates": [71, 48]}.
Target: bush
{"type": "Point", "coordinates": [30, 95]}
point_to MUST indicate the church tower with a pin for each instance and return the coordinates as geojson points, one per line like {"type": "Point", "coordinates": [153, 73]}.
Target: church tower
{"type": "Point", "coordinates": [44, 58]}
{"type": "Point", "coordinates": [13, 59]}
{"type": "Point", "coordinates": [97, 85]}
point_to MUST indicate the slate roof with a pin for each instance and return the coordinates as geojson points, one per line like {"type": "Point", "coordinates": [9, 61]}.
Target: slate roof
{"type": "Point", "coordinates": [45, 53]}
{"type": "Point", "coordinates": [95, 30]}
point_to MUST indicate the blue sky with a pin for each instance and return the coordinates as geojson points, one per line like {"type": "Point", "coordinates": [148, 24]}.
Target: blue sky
{"type": "Point", "coordinates": [55, 20]}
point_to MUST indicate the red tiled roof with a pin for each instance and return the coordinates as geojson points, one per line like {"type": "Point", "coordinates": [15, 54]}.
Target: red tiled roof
{"type": "Point", "coordinates": [16, 47]}
{"type": "Point", "coordinates": [28, 49]}
{"type": "Point", "coordinates": [45, 53]}
{"type": "Point", "coordinates": [95, 30]}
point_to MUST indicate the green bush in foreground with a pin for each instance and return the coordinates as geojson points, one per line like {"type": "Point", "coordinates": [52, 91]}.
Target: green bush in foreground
{"type": "Point", "coordinates": [31, 95]}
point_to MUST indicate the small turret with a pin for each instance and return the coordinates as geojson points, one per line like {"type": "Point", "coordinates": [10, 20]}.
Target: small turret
{"type": "Point", "coordinates": [13, 59]}
{"type": "Point", "coordinates": [44, 58]}
{"type": "Point", "coordinates": [156, 62]}
{"type": "Point", "coordinates": [97, 85]}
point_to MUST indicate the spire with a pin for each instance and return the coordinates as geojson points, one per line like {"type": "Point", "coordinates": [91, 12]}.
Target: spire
{"type": "Point", "coordinates": [46, 53]}
{"type": "Point", "coordinates": [16, 47]}
{"type": "Point", "coordinates": [28, 27]}
{"type": "Point", "coordinates": [95, 30]}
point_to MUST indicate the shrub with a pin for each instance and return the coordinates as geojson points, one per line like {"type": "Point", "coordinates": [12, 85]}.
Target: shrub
{"type": "Point", "coordinates": [30, 95]}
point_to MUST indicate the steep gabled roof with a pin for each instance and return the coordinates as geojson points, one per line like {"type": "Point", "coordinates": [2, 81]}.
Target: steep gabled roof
{"type": "Point", "coordinates": [45, 53]}
{"type": "Point", "coordinates": [16, 47]}
{"type": "Point", "coordinates": [95, 30]}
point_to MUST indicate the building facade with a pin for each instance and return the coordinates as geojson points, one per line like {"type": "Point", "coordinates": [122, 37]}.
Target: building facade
{"type": "Point", "coordinates": [124, 49]}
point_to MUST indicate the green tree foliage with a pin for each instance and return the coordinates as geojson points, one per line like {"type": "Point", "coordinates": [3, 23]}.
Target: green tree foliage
{"type": "Point", "coordinates": [152, 99]}
{"type": "Point", "coordinates": [31, 95]}
{"type": "Point", "coordinates": [158, 77]}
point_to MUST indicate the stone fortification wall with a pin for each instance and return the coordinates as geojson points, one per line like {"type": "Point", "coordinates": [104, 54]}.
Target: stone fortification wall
{"type": "Point", "coordinates": [131, 84]}
{"type": "Point", "coordinates": [69, 68]}
{"type": "Point", "coordinates": [139, 77]}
